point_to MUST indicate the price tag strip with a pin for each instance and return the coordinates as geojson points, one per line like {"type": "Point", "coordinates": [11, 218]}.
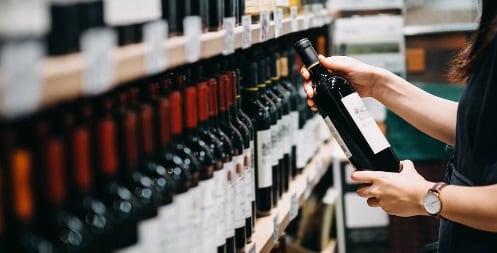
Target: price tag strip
{"type": "Point", "coordinates": [265, 20]}
{"type": "Point", "coordinates": [294, 23]}
{"type": "Point", "coordinates": [192, 32]}
{"type": "Point", "coordinates": [278, 22]}
{"type": "Point", "coordinates": [155, 37]}
{"type": "Point", "coordinates": [247, 32]}
{"type": "Point", "coordinates": [276, 227]}
{"type": "Point", "coordinates": [229, 35]}
{"type": "Point", "coordinates": [294, 206]}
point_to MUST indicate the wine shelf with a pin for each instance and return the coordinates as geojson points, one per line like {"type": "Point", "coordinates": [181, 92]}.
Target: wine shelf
{"type": "Point", "coordinates": [302, 185]}
{"type": "Point", "coordinates": [62, 76]}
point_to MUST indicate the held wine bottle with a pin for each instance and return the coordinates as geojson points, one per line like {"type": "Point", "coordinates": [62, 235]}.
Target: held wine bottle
{"type": "Point", "coordinates": [347, 117]}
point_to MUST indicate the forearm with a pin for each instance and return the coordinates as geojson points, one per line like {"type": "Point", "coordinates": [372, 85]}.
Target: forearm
{"type": "Point", "coordinates": [432, 115]}
{"type": "Point", "coordinates": [472, 206]}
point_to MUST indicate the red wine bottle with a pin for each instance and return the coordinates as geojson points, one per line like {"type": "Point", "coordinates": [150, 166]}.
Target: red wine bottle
{"type": "Point", "coordinates": [262, 125]}
{"type": "Point", "coordinates": [347, 117]}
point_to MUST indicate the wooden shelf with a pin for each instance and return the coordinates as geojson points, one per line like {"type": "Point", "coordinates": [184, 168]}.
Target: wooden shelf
{"type": "Point", "coordinates": [62, 76]}
{"type": "Point", "coordinates": [302, 185]}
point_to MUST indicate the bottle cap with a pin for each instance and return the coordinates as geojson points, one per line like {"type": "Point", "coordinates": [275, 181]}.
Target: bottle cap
{"type": "Point", "coordinates": [307, 53]}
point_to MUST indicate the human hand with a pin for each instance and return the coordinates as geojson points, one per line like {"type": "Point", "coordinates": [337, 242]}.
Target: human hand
{"type": "Point", "coordinates": [398, 194]}
{"type": "Point", "coordinates": [363, 77]}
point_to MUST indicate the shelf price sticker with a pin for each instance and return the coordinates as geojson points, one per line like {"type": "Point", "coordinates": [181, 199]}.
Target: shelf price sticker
{"type": "Point", "coordinates": [97, 46]}
{"type": "Point", "coordinates": [317, 19]}
{"type": "Point", "coordinates": [229, 35]}
{"type": "Point", "coordinates": [265, 20]}
{"type": "Point", "coordinates": [155, 37]}
{"type": "Point", "coordinates": [192, 32]}
{"type": "Point", "coordinates": [293, 15]}
{"type": "Point", "coordinates": [294, 206]}
{"type": "Point", "coordinates": [276, 227]}
{"type": "Point", "coordinates": [252, 248]}
{"type": "Point", "coordinates": [307, 191]}
{"type": "Point", "coordinates": [20, 83]}
{"type": "Point", "coordinates": [278, 22]}
{"type": "Point", "coordinates": [307, 16]}
{"type": "Point", "coordinates": [247, 32]}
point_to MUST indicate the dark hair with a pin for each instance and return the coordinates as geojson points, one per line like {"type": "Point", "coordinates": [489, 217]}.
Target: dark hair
{"type": "Point", "coordinates": [469, 58]}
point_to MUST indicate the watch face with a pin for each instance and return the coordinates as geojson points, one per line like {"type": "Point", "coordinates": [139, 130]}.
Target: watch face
{"type": "Point", "coordinates": [432, 203]}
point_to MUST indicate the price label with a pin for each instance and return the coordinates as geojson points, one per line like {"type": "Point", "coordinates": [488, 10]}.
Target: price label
{"type": "Point", "coordinates": [97, 46]}
{"type": "Point", "coordinates": [247, 33]}
{"type": "Point", "coordinates": [294, 23]}
{"type": "Point", "coordinates": [276, 228]}
{"type": "Point", "coordinates": [307, 191]}
{"type": "Point", "coordinates": [294, 206]}
{"type": "Point", "coordinates": [20, 83]}
{"type": "Point", "coordinates": [307, 16]}
{"type": "Point", "coordinates": [229, 35]}
{"type": "Point", "coordinates": [155, 37]}
{"type": "Point", "coordinates": [193, 31]}
{"type": "Point", "coordinates": [278, 22]}
{"type": "Point", "coordinates": [317, 20]}
{"type": "Point", "coordinates": [252, 248]}
{"type": "Point", "coordinates": [265, 19]}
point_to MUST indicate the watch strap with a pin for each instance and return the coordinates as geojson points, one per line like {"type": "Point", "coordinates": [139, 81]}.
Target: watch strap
{"type": "Point", "coordinates": [438, 187]}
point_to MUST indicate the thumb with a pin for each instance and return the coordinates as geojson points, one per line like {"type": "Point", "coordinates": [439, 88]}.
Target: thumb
{"type": "Point", "coordinates": [338, 64]}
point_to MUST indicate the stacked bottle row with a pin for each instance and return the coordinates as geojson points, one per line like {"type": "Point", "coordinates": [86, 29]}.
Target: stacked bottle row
{"type": "Point", "coordinates": [184, 162]}
{"type": "Point", "coordinates": [65, 24]}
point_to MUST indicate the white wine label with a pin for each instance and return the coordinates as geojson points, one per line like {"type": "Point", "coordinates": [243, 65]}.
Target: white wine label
{"type": "Point", "coordinates": [169, 227]}
{"type": "Point", "coordinates": [240, 196]}
{"type": "Point", "coordinates": [252, 169]}
{"type": "Point", "coordinates": [20, 83]}
{"type": "Point", "coordinates": [127, 12]}
{"type": "Point", "coordinates": [27, 18]}
{"type": "Point", "coordinates": [219, 177]}
{"type": "Point", "coordinates": [301, 162]}
{"type": "Point", "coordinates": [337, 137]}
{"type": "Point", "coordinates": [184, 219]}
{"type": "Point", "coordinates": [365, 122]}
{"type": "Point", "coordinates": [196, 217]}
{"type": "Point", "coordinates": [192, 33]}
{"type": "Point", "coordinates": [137, 248]}
{"type": "Point", "coordinates": [97, 46]}
{"type": "Point", "coordinates": [247, 32]}
{"type": "Point", "coordinates": [293, 13]}
{"type": "Point", "coordinates": [264, 159]}
{"type": "Point", "coordinates": [294, 127]}
{"type": "Point", "coordinates": [149, 234]}
{"type": "Point", "coordinates": [229, 183]}
{"type": "Point", "coordinates": [275, 151]}
{"type": "Point", "coordinates": [287, 142]}
{"type": "Point", "coordinates": [154, 37]}
{"type": "Point", "coordinates": [229, 35]}
{"type": "Point", "coordinates": [208, 238]}
{"type": "Point", "coordinates": [248, 183]}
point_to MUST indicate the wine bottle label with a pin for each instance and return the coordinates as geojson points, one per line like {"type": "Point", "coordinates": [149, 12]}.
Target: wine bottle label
{"type": "Point", "coordinates": [239, 194]}
{"type": "Point", "coordinates": [365, 122]}
{"type": "Point", "coordinates": [248, 183]}
{"type": "Point", "coordinates": [127, 12]}
{"type": "Point", "coordinates": [149, 232]}
{"type": "Point", "coordinates": [337, 137]}
{"type": "Point", "coordinates": [136, 248]}
{"type": "Point", "coordinates": [28, 18]}
{"type": "Point", "coordinates": [184, 219]}
{"type": "Point", "coordinates": [287, 145]}
{"type": "Point", "coordinates": [252, 170]}
{"type": "Point", "coordinates": [229, 183]}
{"type": "Point", "coordinates": [169, 227]}
{"type": "Point", "coordinates": [274, 153]}
{"type": "Point", "coordinates": [196, 217]}
{"type": "Point", "coordinates": [301, 148]}
{"type": "Point", "coordinates": [294, 127]}
{"type": "Point", "coordinates": [264, 159]}
{"type": "Point", "coordinates": [219, 177]}
{"type": "Point", "coordinates": [208, 238]}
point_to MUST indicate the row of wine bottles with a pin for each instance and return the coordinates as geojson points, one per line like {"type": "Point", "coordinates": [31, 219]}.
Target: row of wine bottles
{"type": "Point", "coordinates": [63, 24]}
{"type": "Point", "coordinates": [181, 162]}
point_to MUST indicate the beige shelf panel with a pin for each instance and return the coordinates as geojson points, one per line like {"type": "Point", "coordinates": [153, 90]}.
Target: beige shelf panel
{"type": "Point", "coordinates": [301, 185]}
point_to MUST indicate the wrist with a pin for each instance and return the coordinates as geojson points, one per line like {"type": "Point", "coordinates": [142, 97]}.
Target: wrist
{"type": "Point", "coordinates": [382, 80]}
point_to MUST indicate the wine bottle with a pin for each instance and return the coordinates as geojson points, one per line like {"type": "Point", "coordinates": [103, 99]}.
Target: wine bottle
{"type": "Point", "coordinates": [63, 37]}
{"type": "Point", "coordinates": [222, 242]}
{"type": "Point", "coordinates": [262, 125]}
{"type": "Point", "coordinates": [216, 14]}
{"type": "Point", "coordinates": [347, 117]}
{"type": "Point", "coordinates": [170, 15]}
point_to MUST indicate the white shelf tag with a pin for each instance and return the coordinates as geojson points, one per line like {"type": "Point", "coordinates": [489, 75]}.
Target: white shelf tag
{"type": "Point", "coordinates": [307, 191]}
{"type": "Point", "coordinates": [155, 37]}
{"type": "Point", "coordinates": [229, 35]}
{"type": "Point", "coordinates": [278, 22]}
{"type": "Point", "coordinates": [307, 16]}
{"type": "Point", "coordinates": [293, 14]}
{"type": "Point", "coordinates": [317, 19]}
{"type": "Point", "coordinates": [276, 228]}
{"type": "Point", "coordinates": [265, 19]}
{"type": "Point", "coordinates": [252, 248]}
{"type": "Point", "coordinates": [247, 32]}
{"type": "Point", "coordinates": [20, 83]}
{"type": "Point", "coordinates": [294, 206]}
{"type": "Point", "coordinates": [192, 32]}
{"type": "Point", "coordinates": [97, 46]}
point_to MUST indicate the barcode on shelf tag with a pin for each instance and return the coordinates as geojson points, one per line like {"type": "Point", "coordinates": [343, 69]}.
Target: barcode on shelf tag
{"type": "Point", "coordinates": [155, 37]}
{"type": "Point", "coordinates": [293, 13]}
{"type": "Point", "coordinates": [276, 228]}
{"type": "Point", "coordinates": [20, 83]}
{"type": "Point", "coordinates": [229, 35]}
{"type": "Point", "coordinates": [265, 20]}
{"type": "Point", "coordinates": [247, 33]}
{"type": "Point", "coordinates": [307, 16]}
{"type": "Point", "coordinates": [97, 46]}
{"type": "Point", "coordinates": [192, 31]}
{"type": "Point", "coordinates": [294, 206]}
{"type": "Point", "coordinates": [278, 22]}
{"type": "Point", "coordinates": [252, 248]}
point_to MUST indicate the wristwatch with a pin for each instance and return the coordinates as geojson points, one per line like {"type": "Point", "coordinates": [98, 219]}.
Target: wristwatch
{"type": "Point", "coordinates": [432, 202]}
